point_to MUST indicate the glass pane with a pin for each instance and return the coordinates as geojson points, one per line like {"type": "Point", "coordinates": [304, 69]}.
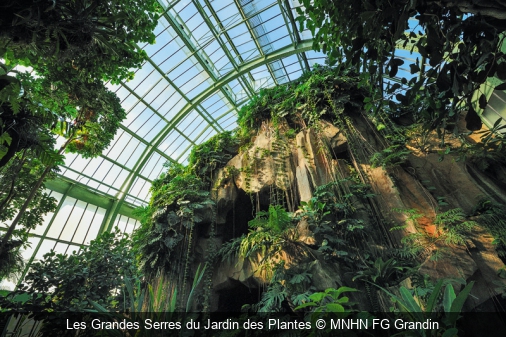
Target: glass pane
{"type": "Point", "coordinates": [95, 225]}
{"type": "Point", "coordinates": [73, 222]}
{"type": "Point", "coordinates": [61, 217]}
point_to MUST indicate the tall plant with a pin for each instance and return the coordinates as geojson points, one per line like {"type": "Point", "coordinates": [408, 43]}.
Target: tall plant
{"type": "Point", "coordinates": [72, 46]}
{"type": "Point", "coordinates": [461, 41]}
{"type": "Point", "coordinates": [90, 114]}
{"type": "Point", "coordinates": [61, 283]}
{"type": "Point", "coordinates": [92, 36]}
{"type": "Point", "coordinates": [445, 308]}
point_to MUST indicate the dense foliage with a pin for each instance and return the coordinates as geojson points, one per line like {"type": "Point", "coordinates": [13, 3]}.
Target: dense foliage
{"type": "Point", "coordinates": [212, 154]}
{"type": "Point", "coordinates": [94, 37]}
{"type": "Point", "coordinates": [72, 48]}
{"type": "Point", "coordinates": [60, 283]}
{"type": "Point", "coordinates": [177, 197]}
{"type": "Point", "coordinates": [180, 198]}
{"type": "Point", "coordinates": [316, 95]}
{"type": "Point", "coordinates": [11, 260]}
{"type": "Point", "coordinates": [18, 179]}
{"type": "Point", "coordinates": [71, 282]}
{"type": "Point", "coordinates": [87, 115]}
{"type": "Point", "coordinates": [461, 42]}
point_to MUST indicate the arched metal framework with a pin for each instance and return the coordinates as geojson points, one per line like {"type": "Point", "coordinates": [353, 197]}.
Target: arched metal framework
{"type": "Point", "coordinates": [210, 57]}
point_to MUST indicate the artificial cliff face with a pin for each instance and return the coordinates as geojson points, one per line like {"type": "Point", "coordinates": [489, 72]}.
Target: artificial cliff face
{"type": "Point", "coordinates": [403, 201]}
{"type": "Point", "coordinates": [315, 193]}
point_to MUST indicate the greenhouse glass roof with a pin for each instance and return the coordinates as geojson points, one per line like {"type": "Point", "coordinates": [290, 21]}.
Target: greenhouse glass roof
{"type": "Point", "coordinates": [210, 57]}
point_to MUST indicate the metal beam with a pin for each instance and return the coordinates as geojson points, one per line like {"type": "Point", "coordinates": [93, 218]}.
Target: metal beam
{"type": "Point", "coordinates": [82, 192]}
{"type": "Point", "coordinates": [178, 90]}
{"type": "Point", "coordinates": [243, 69]}
{"type": "Point", "coordinates": [201, 59]}
{"type": "Point", "coordinates": [295, 31]}
{"type": "Point", "coordinates": [279, 54]}
{"type": "Point", "coordinates": [255, 39]}
{"type": "Point", "coordinates": [249, 89]}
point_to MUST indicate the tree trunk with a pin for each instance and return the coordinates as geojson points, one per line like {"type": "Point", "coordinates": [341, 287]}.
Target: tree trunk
{"type": "Point", "coordinates": [29, 199]}
{"type": "Point", "coordinates": [11, 193]}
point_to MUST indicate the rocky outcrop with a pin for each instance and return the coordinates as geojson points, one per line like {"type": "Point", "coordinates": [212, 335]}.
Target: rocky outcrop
{"type": "Point", "coordinates": [291, 167]}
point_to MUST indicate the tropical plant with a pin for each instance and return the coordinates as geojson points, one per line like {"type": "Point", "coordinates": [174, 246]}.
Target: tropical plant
{"type": "Point", "coordinates": [452, 228]}
{"type": "Point", "coordinates": [179, 200]}
{"type": "Point", "coordinates": [11, 261]}
{"type": "Point", "coordinates": [88, 129]}
{"type": "Point", "coordinates": [288, 288]}
{"type": "Point", "coordinates": [490, 150]}
{"type": "Point", "coordinates": [492, 216]}
{"type": "Point", "coordinates": [276, 220]}
{"type": "Point", "coordinates": [261, 246]}
{"type": "Point", "coordinates": [212, 154]}
{"type": "Point", "coordinates": [449, 306]}
{"type": "Point", "coordinates": [272, 299]}
{"type": "Point", "coordinates": [461, 41]}
{"type": "Point", "coordinates": [177, 184]}
{"type": "Point", "coordinates": [329, 301]}
{"type": "Point", "coordinates": [69, 282]}
{"type": "Point", "coordinates": [314, 210]}
{"type": "Point", "coordinates": [270, 233]}
{"type": "Point", "coordinates": [338, 197]}
{"type": "Point", "coordinates": [303, 102]}
{"type": "Point", "coordinates": [92, 36]}
{"type": "Point", "coordinates": [391, 156]}
{"type": "Point", "coordinates": [61, 283]}
{"type": "Point", "coordinates": [22, 121]}
{"type": "Point", "coordinates": [155, 243]}
{"type": "Point", "coordinates": [382, 272]}
{"type": "Point", "coordinates": [157, 302]}
{"type": "Point", "coordinates": [72, 48]}
{"type": "Point", "coordinates": [17, 179]}
{"type": "Point", "coordinates": [156, 298]}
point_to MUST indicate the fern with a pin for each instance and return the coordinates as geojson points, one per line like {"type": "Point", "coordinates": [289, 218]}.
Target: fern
{"type": "Point", "coordinates": [391, 156]}
{"type": "Point", "coordinates": [261, 242]}
{"type": "Point", "coordinates": [454, 226]}
{"type": "Point", "coordinates": [272, 299]}
{"type": "Point", "coordinates": [493, 217]}
{"type": "Point", "coordinates": [11, 261]}
{"type": "Point", "coordinates": [382, 272]}
{"type": "Point", "coordinates": [301, 278]}
{"type": "Point", "coordinates": [452, 229]}
{"type": "Point", "coordinates": [301, 298]}
{"type": "Point", "coordinates": [277, 219]}
{"type": "Point", "coordinates": [229, 250]}
{"type": "Point", "coordinates": [329, 301]}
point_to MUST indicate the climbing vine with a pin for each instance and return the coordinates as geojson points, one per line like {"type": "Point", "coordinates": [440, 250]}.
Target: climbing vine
{"type": "Point", "coordinates": [341, 222]}
{"type": "Point", "coordinates": [302, 103]}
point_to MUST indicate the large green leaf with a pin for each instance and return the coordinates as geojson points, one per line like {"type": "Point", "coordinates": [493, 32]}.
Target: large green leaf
{"type": "Point", "coordinates": [458, 303]}
{"type": "Point", "coordinates": [407, 304]}
{"type": "Point", "coordinates": [409, 301]}
{"type": "Point", "coordinates": [449, 297]}
{"type": "Point", "coordinates": [334, 307]}
{"type": "Point", "coordinates": [317, 297]}
{"type": "Point", "coordinates": [431, 302]}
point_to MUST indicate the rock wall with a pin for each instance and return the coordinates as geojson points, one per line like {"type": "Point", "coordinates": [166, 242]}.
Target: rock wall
{"type": "Point", "coordinates": [283, 165]}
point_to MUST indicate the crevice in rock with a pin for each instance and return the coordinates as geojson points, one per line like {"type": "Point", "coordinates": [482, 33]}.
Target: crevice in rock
{"type": "Point", "coordinates": [238, 217]}
{"type": "Point", "coordinates": [235, 295]}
